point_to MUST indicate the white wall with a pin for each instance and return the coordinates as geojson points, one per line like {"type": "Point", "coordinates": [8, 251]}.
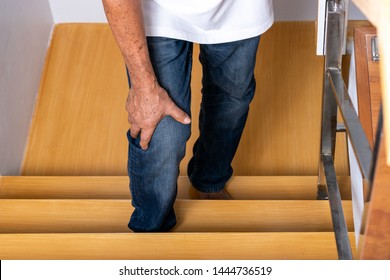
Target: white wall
{"type": "Point", "coordinates": [25, 28]}
{"type": "Point", "coordinates": [92, 10]}
{"type": "Point", "coordinates": [296, 10]}
{"type": "Point", "coordinates": [77, 11]}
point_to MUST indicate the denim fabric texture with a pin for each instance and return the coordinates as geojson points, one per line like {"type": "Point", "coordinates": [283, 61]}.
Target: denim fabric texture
{"type": "Point", "coordinates": [228, 86]}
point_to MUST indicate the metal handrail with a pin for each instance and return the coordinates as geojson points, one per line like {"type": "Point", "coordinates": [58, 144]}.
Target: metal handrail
{"type": "Point", "coordinates": [352, 123]}
{"type": "Point", "coordinates": [335, 95]}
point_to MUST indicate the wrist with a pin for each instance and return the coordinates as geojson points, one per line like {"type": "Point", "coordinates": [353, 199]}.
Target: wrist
{"type": "Point", "coordinates": [142, 77]}
{"type": "Point", "coordinates": [145, 86]}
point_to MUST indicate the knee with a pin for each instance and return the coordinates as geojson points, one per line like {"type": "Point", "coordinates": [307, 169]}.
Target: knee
{"type": "Point", "coordinates": [169, 138]}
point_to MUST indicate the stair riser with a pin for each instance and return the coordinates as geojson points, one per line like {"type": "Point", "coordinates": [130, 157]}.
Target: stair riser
{"type": "Point", "coordinates": [220, 246]}
{"type": "Point", "coordinates": [66, 216]}
{"type": "Point", "coordinates": [117, 187]}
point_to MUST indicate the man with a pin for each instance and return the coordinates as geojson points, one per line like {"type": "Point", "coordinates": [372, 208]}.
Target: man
{"type": "Point", "coordinates": [155, 38]}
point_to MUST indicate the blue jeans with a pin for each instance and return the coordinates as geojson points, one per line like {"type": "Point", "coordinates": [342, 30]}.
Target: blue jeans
{"type": "Point", "coordinates": [228, 88]}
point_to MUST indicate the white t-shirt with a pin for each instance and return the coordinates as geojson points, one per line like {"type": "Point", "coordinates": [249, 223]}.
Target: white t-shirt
{"type": "Point", "coordinates": [207, 21]}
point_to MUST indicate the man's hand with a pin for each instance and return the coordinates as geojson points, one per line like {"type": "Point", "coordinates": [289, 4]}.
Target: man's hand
{"type": "Point", "coordinates": [146, 108]}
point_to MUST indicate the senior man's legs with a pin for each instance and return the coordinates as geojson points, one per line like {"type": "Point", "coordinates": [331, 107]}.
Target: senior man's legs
{"type": "Point", "coordinates": [228, 88]}
{"type": "Point", "coordinates": [153, 173]}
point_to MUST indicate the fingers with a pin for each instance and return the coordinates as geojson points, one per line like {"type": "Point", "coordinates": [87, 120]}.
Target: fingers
{"type": "Point", "coordinates": [134, 131]}
{"type": "Point", "coordinates": [146, 135]}
{"type": "Point", "coordinates": [178, 114]}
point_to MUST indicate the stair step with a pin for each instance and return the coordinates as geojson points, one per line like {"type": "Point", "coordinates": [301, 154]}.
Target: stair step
{"type": "Point", "coordinates": [171, 246]}
{"type": "Point", "coordinates": [97, 216]}
{"type": "Point", "coordinates": [117, 187]}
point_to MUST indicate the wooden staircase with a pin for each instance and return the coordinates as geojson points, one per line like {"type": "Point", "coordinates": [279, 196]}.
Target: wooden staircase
{"type": "Point", "coordinates": [73, 217]}
{"type": "Point", "coordinates": [86, 218]}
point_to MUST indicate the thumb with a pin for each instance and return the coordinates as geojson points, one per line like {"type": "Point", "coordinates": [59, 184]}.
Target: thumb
{"type": "Point", "coordinates": [178, 114]}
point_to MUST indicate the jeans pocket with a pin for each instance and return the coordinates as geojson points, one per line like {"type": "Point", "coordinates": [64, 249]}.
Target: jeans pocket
{"type": "Point", "coordinates": [134, 142]}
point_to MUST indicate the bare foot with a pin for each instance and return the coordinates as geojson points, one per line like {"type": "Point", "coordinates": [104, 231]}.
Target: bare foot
{"type": "Point", "coordinates": [222, 195]}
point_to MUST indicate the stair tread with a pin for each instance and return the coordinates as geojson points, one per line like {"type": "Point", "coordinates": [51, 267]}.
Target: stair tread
{"type": "Point", "coordinates": [174, 246]}
{"type": "Point", "coordinates": [117, 187]}
{"type": "Point", "coordinates": [62, 216]}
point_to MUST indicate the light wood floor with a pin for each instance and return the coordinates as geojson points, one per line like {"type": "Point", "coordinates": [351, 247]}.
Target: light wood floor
{"type": "Point", "coordinates": [80, 122]}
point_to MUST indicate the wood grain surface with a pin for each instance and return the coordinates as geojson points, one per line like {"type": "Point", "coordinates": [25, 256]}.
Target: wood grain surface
{"type": "Point", "coordinates": [173, 246]}
{"type": "Point", "coordinates": [117, 187]}
{"type": "Point", "coordinates": [110, 216]}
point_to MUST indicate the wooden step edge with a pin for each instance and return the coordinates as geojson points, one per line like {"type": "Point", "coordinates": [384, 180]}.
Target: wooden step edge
{"type": "Point", "coordinates": [117, 187]}
{"type": "Point", "coordinates": [171, 246]}
{"type": "Point", "coordinates": [97, 216]}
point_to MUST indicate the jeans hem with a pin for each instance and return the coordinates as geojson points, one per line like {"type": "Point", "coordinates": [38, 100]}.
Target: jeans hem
{"type": "Point", "coordinates": [209, 189]}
